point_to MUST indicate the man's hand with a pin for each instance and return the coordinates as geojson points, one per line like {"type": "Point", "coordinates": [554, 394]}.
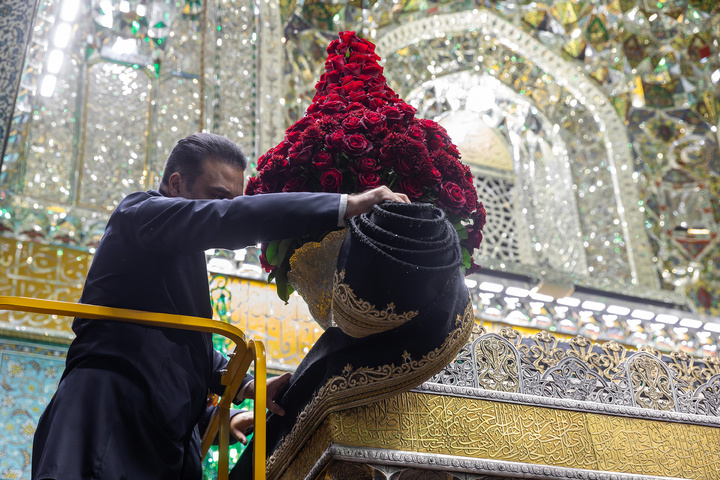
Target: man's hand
{"type": "Point", "coordinates": [239, 424]}
{"type": "Point", "coordinates": [275, 385]}
{"type": "Point", "coordinates": [362, 202]}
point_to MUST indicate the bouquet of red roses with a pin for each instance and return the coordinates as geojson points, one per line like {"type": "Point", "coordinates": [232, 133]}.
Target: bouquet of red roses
{"type": "Point", "coordinates": [358, 134]}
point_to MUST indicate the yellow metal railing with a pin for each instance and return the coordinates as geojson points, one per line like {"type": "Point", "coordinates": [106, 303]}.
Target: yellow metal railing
{"type": "Point", "coordinates": [246, 352]}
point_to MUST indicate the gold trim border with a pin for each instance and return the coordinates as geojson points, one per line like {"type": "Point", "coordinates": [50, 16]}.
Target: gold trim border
{"type": "Point", "coordinates": [481, 429]}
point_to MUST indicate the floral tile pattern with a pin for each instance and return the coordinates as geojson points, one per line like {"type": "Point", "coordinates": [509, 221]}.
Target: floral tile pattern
{"type": "Point", "coordinates": [29, 374]}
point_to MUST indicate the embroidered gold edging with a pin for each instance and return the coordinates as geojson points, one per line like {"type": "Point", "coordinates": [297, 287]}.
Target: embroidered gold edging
{"type": "Point", "coordinates": [312, 269]}
{"type": "Point", "coordinates": [359, 318]}
{"type": "Point", "coordinates": [365, 385]}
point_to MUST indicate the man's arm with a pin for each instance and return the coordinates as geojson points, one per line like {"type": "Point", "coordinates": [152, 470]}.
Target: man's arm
{"type": "Point", "coordinates": [165, 225]}
{"type": "Point", "coordinates": [174, 225]}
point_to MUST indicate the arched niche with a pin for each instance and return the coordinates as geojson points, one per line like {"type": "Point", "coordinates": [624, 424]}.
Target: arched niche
{"type": "Point", "coordinates": [586, 131]}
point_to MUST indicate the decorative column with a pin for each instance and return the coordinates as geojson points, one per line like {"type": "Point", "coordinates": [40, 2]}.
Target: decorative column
{"type": "Point", "coordinates": [15, 20]}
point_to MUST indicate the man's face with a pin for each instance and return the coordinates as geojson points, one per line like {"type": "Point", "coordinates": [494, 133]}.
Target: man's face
{"type": "Point", "coordinates": [218, 181]}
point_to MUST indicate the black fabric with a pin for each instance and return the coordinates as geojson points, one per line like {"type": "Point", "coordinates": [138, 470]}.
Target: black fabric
{"type": "Point", "coordinates": [380, 249]}
{"type": "Point", "coordinates": [400, 253]}
{"type": "Point", "coordinates": [130, 397]}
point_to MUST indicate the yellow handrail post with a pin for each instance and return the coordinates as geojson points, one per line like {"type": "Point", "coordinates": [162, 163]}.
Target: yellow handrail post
{"type": "Point", "coordinates": [246, 352]}
{"type": "Point", "coordinates": [224, 443]}
{"type": "Point", "coordinates": [259, 411]}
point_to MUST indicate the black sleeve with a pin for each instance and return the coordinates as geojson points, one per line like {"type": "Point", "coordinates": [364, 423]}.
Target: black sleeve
{"type": "Point", "coordinates": [176, 225]}
{"type": "Point", "coordinates": [205, 422]}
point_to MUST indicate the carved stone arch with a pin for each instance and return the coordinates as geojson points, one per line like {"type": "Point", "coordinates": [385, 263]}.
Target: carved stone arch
{"type": "Point", "coordinates": [496, 364]}
{"type": "Point", "coordinates": [617, 156]}
{"type": "Point", "coordinates": [651, 382]}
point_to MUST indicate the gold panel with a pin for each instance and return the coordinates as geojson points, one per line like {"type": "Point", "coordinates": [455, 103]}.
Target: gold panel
{"type": "Point", "coordinates": [36, 270]}
{"type": "Point", "coordinates": [288, 331]}
{"type": "Point", "coordinates": [482, 429]}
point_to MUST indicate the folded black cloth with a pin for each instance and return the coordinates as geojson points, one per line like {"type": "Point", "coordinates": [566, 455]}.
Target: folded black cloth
{"type": "Point", "coordinates": [402, 312]}
{"type": "Point", "coordinates": [393, 262]}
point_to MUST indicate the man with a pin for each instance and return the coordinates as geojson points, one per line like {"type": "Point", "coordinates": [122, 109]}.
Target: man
{"type": "Point", "coordinates": [130, 397]}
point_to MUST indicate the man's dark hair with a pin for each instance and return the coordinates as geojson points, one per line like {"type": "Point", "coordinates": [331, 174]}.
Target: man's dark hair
{"type": "Point", "coordinates": [187, 157]}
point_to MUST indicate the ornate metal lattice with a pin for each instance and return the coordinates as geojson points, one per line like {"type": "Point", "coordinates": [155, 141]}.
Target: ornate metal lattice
{"type": "Point", "coordinates": [577, 369]}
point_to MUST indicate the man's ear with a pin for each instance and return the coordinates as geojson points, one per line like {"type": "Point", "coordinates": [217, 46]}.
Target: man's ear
{"type": "Point", "coordinates": [176, 182]}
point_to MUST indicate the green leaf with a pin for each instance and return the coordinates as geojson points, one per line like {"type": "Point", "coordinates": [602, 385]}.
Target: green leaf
{"type": "Point", "coordinates": [461, 231]}
{"type": "Point", "coordinates": [271, 252]}
{"type": "Point", "coordinates": [467, 258]}
{"type": "Point", "coordinates": [282, 250]}
{"type": "Point", "coordinates": [284, 289]}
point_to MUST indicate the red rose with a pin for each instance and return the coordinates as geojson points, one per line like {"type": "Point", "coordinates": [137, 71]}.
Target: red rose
{"type": "Point", "coordinates": [480, 216]}
{"type": "Point", "coordinates": [406, 165]}
{"type": "Point", "coordinates": [347, 37]}
{"type": "Point", "coordinates": [372, 69]}
{"type": "Point", "coordinates": [365, 165]}
{"type": "Point", "coordinates": [373, 121]}
{"type": "Point", "coordinates": [475, 235]}
{"type": "Point", "coordinates": [358, 58]}
{"type": "Point", "coordinates": [335, 62]}
{"type": "Point", "coordinates": [338, 91]}
{"type": "Point", "coordinates": [333, 106]}
{"type": "Point", "coordinates": [376, 103]}
{"type": "Point", "coordinates": [264, 262]}
{"type": "Point", "coordinates": [366, 181]}
{"type": "Point", "coordinates": [282, 149]}
{"type": "Point", "coordinates": [342, 48]}
{"type": "Point", "coordinates": [331, 180]}
{"type": "Point", "coordinates": [334, 141]}
{"type": "Point", "coordinates": [471, 201]}
{"type": "Point", "coordinates": [354, 105]}
{"type": "Point", "coordinates": [303, 123]}
{"type": "Point", "coordinates": [430, 125]}
{"type": "Point", "coordinates": [408, 112]}
{"type": "Point", "coordinates": [323, 161]}
{"type": "Point", "coordinates": [352, 124]}
{"type": "Point", "coordinates": [332, 46]}
{"type": "Point", "coordinates": [453, 150]}
{"type": "Point", "coordinates": [293, 137]}
{"type": "Point", "coordinates": [296, 184]}
{"type": "Point", "coordinates": [253, 186]}
{"type": "Point", "coordinates": [352, 69]}
{"type": "Point", "coordinates": [359, 97]}
{"type": "Point", "coordinates": [354, 86]}
{"type": "Point", "coordinates": [474, 267]}
{"type": "Point", "coordinates": [263, 160]}
{"type": "Point", "coordinates": [300, 154]}
{"type": "Point", "coordinates": [434, 142]}
{"type": "Point", "coordinates": [433, 176]}
{"type": "Point", "coordinates": [393, 114]}
{"type": "Point", "coordinates": [312, 135]}
{"type": "Point", "coordinates": [451, 197]}
{"type": "Point", "coordinates": [412, 187]}
{"type": "Point", "coordinates": [415, 132]}
{"type": "Point", "coordinates": [332, 77]}
{"type": "Point", "coordinates": [359, 47]}
{"type": "Point", "coordinates": [356, 145]}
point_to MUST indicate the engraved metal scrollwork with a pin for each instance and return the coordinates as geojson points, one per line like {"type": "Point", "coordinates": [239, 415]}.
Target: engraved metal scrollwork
{"type": "Point", "coordinates": [651, 381]}
{"type": "Point", "coordinates": [497, 363]}
{"type": "Point", "coordinates": [707, 398]}
{"type": "Point", "coordinates": [573, 379]}
{"type": "Point", "coordinates": [578, 370]}
{"type": "Point", "coordinates": [459, 373]}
